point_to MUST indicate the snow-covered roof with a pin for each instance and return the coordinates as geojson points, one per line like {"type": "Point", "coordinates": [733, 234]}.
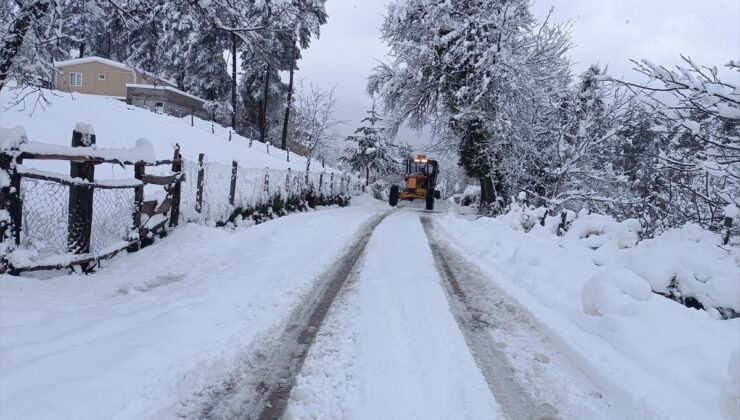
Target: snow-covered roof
{"type": "Point", "coordinates": [92, 59]}
{"type": "Point", "coordinates": [171, 89]}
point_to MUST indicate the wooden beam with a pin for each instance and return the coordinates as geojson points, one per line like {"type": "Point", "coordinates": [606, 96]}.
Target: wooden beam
{"type": "Point", "coordinates": [163, 180]}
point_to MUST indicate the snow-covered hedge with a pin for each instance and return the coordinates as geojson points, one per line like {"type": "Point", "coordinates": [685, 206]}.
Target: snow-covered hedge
{"type": "Point", "coordinates": [688, 264]}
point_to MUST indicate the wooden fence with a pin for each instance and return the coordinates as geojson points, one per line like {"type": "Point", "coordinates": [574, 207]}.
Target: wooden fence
{"type": "Point", "coordinates": [81, 182]}
{"type": "Point", "coordinates": [215, 194]}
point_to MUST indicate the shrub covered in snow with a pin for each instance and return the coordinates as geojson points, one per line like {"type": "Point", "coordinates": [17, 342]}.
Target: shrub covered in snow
{"type": "Point", "coordinates": [380, 190]}
{"type": "Point", "coordinates": [687, 264]}
{"type": "Point", "coordinates": [614, 292]}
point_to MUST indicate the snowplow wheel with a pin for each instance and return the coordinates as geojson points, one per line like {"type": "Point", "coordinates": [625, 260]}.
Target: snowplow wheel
{"type": "Point", "coordinates": [430, 200]}
{"type": "Point", "coordinates": [393, 197]}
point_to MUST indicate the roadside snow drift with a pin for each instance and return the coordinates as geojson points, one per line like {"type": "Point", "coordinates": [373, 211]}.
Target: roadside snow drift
{"type": "Point", "coordinates": [591, 291]}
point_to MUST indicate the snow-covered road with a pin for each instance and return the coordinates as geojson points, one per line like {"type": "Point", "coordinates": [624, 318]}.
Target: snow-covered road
{"type": "Point", "coordinates": [392, 349]}
{"type": "Point", "coordinates": [355, 313]}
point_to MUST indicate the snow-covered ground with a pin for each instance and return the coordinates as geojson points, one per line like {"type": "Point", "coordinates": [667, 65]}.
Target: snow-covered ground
{"type": "Point", "coordinates": [118, 125]}
{"type": "Point", "coordinates": [150, 329]}
{"type": "Point", "coordinates": [146, 335]}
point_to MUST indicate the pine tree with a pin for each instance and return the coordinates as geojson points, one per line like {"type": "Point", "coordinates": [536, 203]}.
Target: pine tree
{"type": "Point", "coordinates": [370, 152]}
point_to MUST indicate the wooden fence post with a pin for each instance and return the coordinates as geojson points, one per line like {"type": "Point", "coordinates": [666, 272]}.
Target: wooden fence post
{"type": "Point", "coordinates": [5, 161]}
{"type": "Point", "coordinates": [139, 171]}
{"type": "Point", "coordinates": [287, 184]}
{"type": "Point", "coordinates": [16, 204]}
{"type": "Point", "coordinates": [232, 189]}
{"type": "Point", "coordinates": [79, 227]}
{"type": "Point", "coordinates": [199, 191]}
{"type": "Point", "coordinates": [331, 185]}
{"type": "Point", "coordinates": [321, 182]}
{"type": "Point", "coordinates": [177, 189]}
{"type": "Point", "coordinates": [10, 198]}
{"type": "Point", "coordinates": [728, 226]}
{"type": "Point", "coordinates": [267, 182]}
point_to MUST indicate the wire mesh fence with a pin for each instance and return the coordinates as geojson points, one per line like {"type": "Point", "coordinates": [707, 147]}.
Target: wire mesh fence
{"type": "Point", "coordinates": [254, 187]}
{"type": "Point", "coordinates": [46, 217]}
{"type": "Point", "coordinates": [112, 218]}
{"type": "Point", "coordinates": [45, 203]}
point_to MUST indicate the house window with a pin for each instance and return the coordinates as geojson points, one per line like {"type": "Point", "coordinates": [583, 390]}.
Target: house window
{"type": "Point", "coordinates": [159, 107]}
{"type": "Point", "coordinates": [75, 79]}
{"type": "Point", "coordinates": [101, 76]}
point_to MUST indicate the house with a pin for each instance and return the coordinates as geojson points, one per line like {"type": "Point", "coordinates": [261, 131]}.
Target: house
{"type": "Point", "coordinates": [100, 76]}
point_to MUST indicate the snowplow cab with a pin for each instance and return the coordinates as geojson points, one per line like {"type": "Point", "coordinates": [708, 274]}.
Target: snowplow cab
{"type": "Point", "coordinates": [420, 180]}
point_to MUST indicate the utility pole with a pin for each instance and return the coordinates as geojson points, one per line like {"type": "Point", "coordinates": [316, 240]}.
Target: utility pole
{"type": "Point", "coordinates": [284, 143]}
{"type": "Point", "coordinates": [263, 105]}
{"type": "Point", "coordinates": [233, 81]}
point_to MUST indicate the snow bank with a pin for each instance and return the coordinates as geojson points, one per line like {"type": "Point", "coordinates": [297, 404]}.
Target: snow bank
{"type": "Point", "coordinates": [590, 291]}
{"type": "Point", "coordinates": [688, 263]}
{"type": "Point", "coordinates": [614, 292]}
{"type": "Point", "coordinates": [154, 328]}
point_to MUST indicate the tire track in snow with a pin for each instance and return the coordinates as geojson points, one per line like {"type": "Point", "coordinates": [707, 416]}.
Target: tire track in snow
{"type": "Point", "coordinates": [260, 389]}
{"type": "Point", "coordinates": [490, 324]}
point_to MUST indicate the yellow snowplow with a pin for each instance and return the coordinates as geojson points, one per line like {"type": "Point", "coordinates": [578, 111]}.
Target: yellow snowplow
{"type": "Point", "coordinates": [420, 179]}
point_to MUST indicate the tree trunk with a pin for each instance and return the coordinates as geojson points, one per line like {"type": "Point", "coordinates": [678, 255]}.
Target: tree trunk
{"type": "Point", "coordinates": [367, 176]}
{"type": "Point", "coordinates": [17, 33]}
{"type": "Point", "coordinates": [284, 143]}
{"type": "Point", "coordinates": [487, 193]}
{"type": "Point", "coordinates": [263, 106]}
{"type": "Point", "coordinates": [233, 81]}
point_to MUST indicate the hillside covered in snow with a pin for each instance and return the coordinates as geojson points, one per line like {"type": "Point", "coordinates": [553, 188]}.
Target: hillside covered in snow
{"type": "Point", "coordinates": [118, 125]}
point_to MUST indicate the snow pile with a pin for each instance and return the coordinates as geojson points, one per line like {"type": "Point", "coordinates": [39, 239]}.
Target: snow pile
{"type": "Point", "coordinates": [614, 292]}
{"type": "Point", "coordinates": [687, 265]}
{"type": "Point", "coordinates": [12, 138]}
{"type": "Point", "coordinates": [590, 291]}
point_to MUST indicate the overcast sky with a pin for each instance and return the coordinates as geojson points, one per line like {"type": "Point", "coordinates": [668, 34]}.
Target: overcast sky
{"type": "Point", "coordinates": [609, 32]}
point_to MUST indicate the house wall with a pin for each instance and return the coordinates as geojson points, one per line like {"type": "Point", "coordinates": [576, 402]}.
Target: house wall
{"type": "Point", "coordinates": [114, 84]}
{"type": "Point", "coordinates": [174, 103]}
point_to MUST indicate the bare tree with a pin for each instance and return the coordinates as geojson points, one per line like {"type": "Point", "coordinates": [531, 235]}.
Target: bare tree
{"type": "Point", "coordinates": [701, 121]}
{"type": "Point", "coordinates": [315, 121]}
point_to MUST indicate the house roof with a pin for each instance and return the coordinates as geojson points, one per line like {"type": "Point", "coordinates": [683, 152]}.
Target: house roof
{"type": "Point", "coordinates": [91, 59]}
{"type": "Point", "coordinates": [171, 89]}
{"type": "Point", "coordinates": [96, 59]}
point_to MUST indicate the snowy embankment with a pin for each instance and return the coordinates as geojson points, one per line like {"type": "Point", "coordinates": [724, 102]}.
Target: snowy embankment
{"type": "Point", "coordinates": [141, 336]}
{"type": "Point", "coordinates": [590, 291]}
{"type": "Point", "coordinates": [118, 125]}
